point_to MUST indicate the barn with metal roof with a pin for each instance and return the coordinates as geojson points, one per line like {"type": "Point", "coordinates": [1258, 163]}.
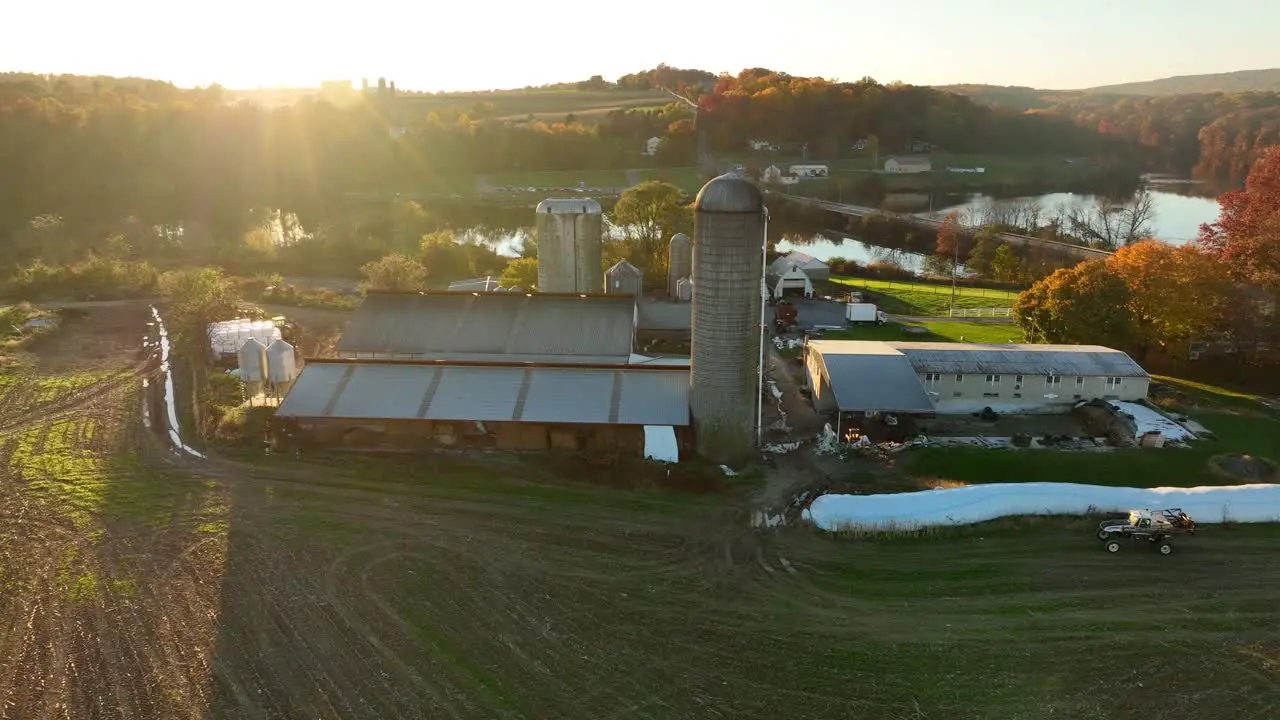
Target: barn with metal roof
{"type": "Point", "coordinates": [517, 406]}
{"type": "Point", "coordinates": [967, 377]}
{"type": "Point", "coordinates": [509, 370]}
{"type": "Point", "coordinates": [489, 326]}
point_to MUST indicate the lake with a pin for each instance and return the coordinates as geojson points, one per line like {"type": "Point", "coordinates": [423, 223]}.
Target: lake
{"type": "Point", "coordinates": [827, 245]}
{"type": "Point", "coordinates": [1177, 216]}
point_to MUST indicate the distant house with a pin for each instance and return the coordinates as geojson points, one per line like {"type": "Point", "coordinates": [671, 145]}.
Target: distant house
{"type": "Point", "coordinates": [908, 164]}
{"type": "Point", "coordinates": [761, 145]}
{"type": "Point", "coordinates": [808, 171]}
{"type": "Point", "coordinates": [814, 268]}
{"type": "Point", "coordinates": [651, 145]}
{"type": "Point", "coordinates": [862, 144]}
{"type": "Point", "coordinates": [771, 174]}
{"type": "Point", "coordinates": [789, 179]}
{"type": "Point", "coordinates": [920, 146]}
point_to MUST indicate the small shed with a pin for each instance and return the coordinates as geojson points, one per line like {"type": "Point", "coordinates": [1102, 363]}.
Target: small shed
{"type": "Point", "coordinates": [624, 279]}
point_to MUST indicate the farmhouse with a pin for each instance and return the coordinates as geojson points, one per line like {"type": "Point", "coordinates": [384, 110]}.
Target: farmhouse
{"type": "Point", "coordinates": [957, 378]}
{"type": "Point", "coordinates": [904, 164]}
{"type": "Point", "coordinates": [808, 171]}
{"type": "Point", "coordinates": [809, 265]}
{"type": "Point", "coordinates": [651, 145]}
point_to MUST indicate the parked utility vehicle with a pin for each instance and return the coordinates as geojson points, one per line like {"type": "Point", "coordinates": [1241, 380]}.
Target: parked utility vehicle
{"type": "Point", "coordinates": [1154, 526]}
{"type": "Point", "coordinates": [864, 313]}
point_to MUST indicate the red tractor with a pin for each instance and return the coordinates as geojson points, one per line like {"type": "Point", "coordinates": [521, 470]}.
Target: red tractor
{"type": "Point", "coordinates": [784, 316]}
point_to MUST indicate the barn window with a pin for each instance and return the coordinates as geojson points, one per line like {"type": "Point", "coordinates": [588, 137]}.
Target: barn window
{"type": "Point", "coordinates": [933, 379]}
{"type": "Point", "coordinates": [1053, 381]}
{"type": "Point", "coordinates": [959, 379]}
{"type": "Point", "coordinates": [1113, 383]}
{"type": "Point", "coordinates": [993, 380]}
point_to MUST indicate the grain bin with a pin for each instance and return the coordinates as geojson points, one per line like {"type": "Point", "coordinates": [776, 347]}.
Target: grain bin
{"type": "Point", "coordinates": [252, 358]}
{"type": "Point", "coordinates": [570, 245]}
{"type": "Point", "coordinates": [282, 364]}
{"type": "Point", "coordinates": [727, 265]}
{"type": "Point", "coordinates": [624, 279]}
{"type": "Point", "coordinates": [684, 290]}
{"type": "Point", "coordinates": [679, 261]}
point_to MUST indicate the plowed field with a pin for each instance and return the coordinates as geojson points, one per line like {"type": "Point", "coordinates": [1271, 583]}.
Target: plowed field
{"type": "Point", "coordinates": [142, 584]}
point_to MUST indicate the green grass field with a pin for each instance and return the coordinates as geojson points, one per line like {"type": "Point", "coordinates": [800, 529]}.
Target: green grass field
{"type": "Point", "coordinates": [942, 331]}
{"type": "Point", "coordinates": [494, 585]}
{"type": "Point", "coordinates": [545, 105]}
{"type": "Point", "coordinates": [925, 299]}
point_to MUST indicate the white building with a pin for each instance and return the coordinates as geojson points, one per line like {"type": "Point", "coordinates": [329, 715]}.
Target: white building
{"type": "Point", "coordinates": [812, 267]}
{"type": "Point", "coordinates": [771, 174]}
{"type": "Point", "coordinates": [761, 145]}
{"type": "Point", "coordinates": [962, 378]}
{"type": "Point", "coordinates": [808, 171]}
{"type": "Point", "coordinates": [651, 145]}
{"type": "Point", "coordinates": [908, 164]}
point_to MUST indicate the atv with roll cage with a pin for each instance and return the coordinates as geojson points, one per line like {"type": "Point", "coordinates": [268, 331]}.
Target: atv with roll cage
{"type": "Point", "coordinates": [1154, 526]}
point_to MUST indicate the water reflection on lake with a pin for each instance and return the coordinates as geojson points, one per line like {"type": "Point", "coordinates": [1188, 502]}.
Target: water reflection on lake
{"type": "Point", "coordinates": [825, 246]}
{"type": "Point", "coordinates": [1178, 210]}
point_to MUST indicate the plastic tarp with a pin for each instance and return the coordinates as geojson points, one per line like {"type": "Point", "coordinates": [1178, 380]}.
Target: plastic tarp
{"type": "Point", "coordinates": [660, 443]}
{"type": "Point", "coordinates": [1148, 420]}
{"type": "Point", "coordinates": [979, 503]}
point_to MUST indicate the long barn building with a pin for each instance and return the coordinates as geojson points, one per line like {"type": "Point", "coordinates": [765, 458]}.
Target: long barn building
{"type": "Point", "coordinates": [507, 370]}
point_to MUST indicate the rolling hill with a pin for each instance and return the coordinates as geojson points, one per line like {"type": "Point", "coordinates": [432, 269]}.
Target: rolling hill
{"type": "Point", "coordinates": [1231, 82]}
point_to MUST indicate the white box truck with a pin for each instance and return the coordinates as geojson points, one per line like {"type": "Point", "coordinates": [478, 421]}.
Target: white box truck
{"type": "Point", "coordinates": [864, 313]}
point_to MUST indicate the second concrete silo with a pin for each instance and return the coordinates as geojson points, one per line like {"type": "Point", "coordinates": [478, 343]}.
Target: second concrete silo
{"type": "Point", "coordinates": [679, 261]}
{"type": "Point", "coordinates": [570, 246]}
{"type": "Point", "coordinates": [727, 265]}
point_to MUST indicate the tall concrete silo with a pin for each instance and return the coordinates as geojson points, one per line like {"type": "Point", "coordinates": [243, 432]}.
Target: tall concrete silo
{"type": "Point", "coordinates": [679, 261]}
{"type": "Point", "coordinates": [570, 246]}
{"type": "Point", "coordinates": [727, 265]}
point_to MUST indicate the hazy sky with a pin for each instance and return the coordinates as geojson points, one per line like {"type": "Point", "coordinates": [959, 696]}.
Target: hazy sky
{"type": "Point", "coordinates": [483, 44]}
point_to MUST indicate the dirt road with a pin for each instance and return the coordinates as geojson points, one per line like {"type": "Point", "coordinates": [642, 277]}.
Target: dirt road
{"type": "Point", "coordinates": [142, 584]}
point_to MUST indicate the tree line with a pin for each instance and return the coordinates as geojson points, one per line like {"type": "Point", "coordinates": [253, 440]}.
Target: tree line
{"type": "Point", "coordinates": [1217, 136]}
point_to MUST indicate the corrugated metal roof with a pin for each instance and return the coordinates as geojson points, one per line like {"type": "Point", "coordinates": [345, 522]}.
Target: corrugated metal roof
{"type": "Point", "coordinates": [379, 391]}
{"type": "Point", "coordinates": [871, 376]}
{"type": "Point", "coordinates": [491, 326]}
{"type": "Point", "coordinates": [970, 358]}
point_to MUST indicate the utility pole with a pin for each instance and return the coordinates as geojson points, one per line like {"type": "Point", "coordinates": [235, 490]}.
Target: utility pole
{"type": "Point", "coordinates": [955, 269]}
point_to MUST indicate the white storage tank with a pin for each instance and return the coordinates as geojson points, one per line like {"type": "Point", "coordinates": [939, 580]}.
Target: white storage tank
{"type": "Point", "coordinates": [679, 261]}
{"type": "Point", "coordinates": [282, 366]}
{"type": "Point", "coordinates": [684, 290]}
{"type": "Point", "coordinates": [252, 357]}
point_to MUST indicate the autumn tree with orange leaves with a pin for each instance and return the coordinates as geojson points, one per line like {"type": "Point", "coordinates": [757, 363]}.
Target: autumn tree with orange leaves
{"type": "Point", "coordinates": [1246, 237]}
{"type": "Point", "coordinates": [1176, 292]}
{"type": "Point", "coordinates": [1148, 296]}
